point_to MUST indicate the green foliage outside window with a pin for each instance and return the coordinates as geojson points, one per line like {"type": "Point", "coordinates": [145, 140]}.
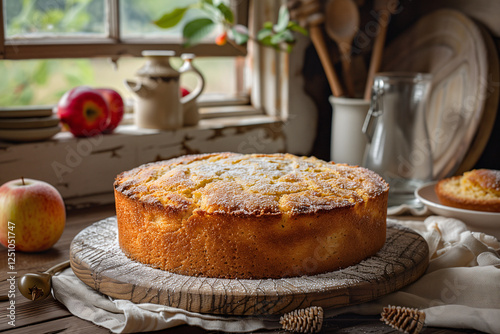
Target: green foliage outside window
{"type": "Point", "coordinates": [41, 82]}
{"type": "Point", "coordinates": [216, 14]}
{"type": "Point", "coordinates": [27, 81]}
{"type": "Point", "coordinates": [25, 17]}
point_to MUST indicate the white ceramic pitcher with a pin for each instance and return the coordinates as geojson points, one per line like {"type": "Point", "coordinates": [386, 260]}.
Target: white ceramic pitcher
{"type": "Point", "coordinates": [158, 99]}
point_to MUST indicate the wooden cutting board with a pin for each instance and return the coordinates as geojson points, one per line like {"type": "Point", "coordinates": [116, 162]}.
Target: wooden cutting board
{"type": "Point", "coordinates": [98, 261]}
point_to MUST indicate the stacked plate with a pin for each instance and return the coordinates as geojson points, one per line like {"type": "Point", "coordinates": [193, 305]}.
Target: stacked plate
{"type": "Point", "coordinates": [28, 125]}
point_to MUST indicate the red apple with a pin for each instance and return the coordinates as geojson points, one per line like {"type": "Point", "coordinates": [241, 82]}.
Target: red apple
{"type": "Point", "coordinates": [32, 215]}
{"type": "Point", "coordinates": [116, 107]}
{"type": "Point", "coordinates": [84, 111]}
{"type": "Point", "coordinates": [184, 92]}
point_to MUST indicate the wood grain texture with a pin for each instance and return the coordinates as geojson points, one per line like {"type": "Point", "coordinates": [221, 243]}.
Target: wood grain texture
{"type": "Point", "coordinates": [490, 107]}
{"type": "Point", "coordinates": [98, 261]}
{"type": "Point", "coordinates": [62, 325]}
{"type": "Point", "coordinates": [484, 11]}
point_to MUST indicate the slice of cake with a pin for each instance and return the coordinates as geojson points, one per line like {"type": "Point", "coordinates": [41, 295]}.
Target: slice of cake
{"type": "Point", "coordinates": [478, 190]}
{"type": "Point", "coordinates": [255, 216]}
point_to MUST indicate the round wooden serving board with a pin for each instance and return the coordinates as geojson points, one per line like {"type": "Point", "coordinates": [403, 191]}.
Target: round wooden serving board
{"type": "Point", "coordinates": [98, 261]}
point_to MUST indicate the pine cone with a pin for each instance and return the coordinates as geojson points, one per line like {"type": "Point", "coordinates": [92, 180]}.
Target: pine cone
{"type": "Point", "coordinates": [406, 320]}
{"type": "Point", "coordinates": [307, 320]}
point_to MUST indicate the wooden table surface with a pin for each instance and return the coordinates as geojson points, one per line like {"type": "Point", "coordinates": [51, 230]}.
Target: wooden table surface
{"type": "Point", "coordinates": [50, 316]}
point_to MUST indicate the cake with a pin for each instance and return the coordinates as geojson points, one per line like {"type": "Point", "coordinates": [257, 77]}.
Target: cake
{"type": "Point", "coordinates": [229, 215]}
{"type": "Point", "coordinates": [478, 190]}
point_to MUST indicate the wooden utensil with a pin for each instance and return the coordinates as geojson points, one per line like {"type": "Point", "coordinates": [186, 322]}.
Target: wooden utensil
{"type": "Point", "coordinates": [342, 25]}
{"type": "Point", "coordinates": [382, 8]}
{"type": "Point", "coordinates": [308, 14]}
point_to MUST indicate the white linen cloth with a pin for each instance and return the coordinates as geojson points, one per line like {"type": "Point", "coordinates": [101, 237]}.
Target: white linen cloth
{"type": "Point", "coordinates": [460, 289]}
{"type": "Point", "coordinates": [408, 209]}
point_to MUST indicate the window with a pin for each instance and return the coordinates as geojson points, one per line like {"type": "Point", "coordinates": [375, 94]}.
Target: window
{"type": "Point", "coordinates": [50, 45]}
{"type": "Point", "coordinates": [30, 56]}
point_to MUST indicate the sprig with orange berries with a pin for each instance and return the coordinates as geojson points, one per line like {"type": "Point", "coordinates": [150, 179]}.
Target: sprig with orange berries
{"type": "Point", "coordinates": [279, 36]}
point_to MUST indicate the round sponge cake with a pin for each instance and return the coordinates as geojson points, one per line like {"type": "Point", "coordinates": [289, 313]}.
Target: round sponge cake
{"type": "Point", "coordinates": [252, 216]}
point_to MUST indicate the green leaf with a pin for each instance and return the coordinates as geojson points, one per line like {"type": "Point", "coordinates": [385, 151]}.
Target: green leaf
{"type": "Point", "coordinates": [194, 31]}
{"type": "Point", "coordinates": [283, 19]}
{"type": "Point", "coordinates": [240, 37]}
{"type": "Point", "coordinates": [171, 19]}
{"type": "Point", "coordinates": [263, 33]}
{"type": "Point", "coordinates": [268, 25]}
{"type": "Point", "coordinates": [266, 41]}
{"type": "Point", "coordinates": [284, 36]}
{"type": "Point", "coordinates": [295, 27]}
{"type": "Point", "coordinates": [226, 12]}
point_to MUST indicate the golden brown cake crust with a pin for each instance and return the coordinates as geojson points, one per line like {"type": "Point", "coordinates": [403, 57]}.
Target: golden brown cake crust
{"type": "Point", "coordinates": [477, 190]}
{"type": "Point", "coordinates": [250, 216]}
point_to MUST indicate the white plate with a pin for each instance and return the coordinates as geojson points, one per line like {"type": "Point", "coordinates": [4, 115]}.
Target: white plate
{"type": "Point", "coordinates": [22, 113]}
{"type": "Point", "coordinates": [477, 221]}
{"type": "Point", "coordinates": [29, 123]}
{"type": "Point", "coordinates": [27, 135]}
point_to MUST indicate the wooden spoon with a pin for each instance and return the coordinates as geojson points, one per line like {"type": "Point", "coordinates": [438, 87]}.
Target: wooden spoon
{"type": "Point", "coordinates": [382, 7]}
{"type": "Point", "coordinates": [342, 25]}
{"type": "Point", "coordinates": [309, 14]}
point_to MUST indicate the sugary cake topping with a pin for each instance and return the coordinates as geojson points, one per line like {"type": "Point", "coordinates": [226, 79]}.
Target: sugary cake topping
{"type": "Point", "coordinates": [483, 180]}
{"type": "Point", "coordinates": [249, 184]}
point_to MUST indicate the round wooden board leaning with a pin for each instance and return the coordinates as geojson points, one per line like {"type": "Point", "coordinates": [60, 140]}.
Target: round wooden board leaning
{"type": "Point", "coordinates": [98, 261]}
{"type": "Point", "coordinates": [449, 45]}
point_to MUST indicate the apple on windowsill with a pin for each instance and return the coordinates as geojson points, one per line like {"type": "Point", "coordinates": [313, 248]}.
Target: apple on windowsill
{"type": "Point", "coordinates": [87, 111]}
